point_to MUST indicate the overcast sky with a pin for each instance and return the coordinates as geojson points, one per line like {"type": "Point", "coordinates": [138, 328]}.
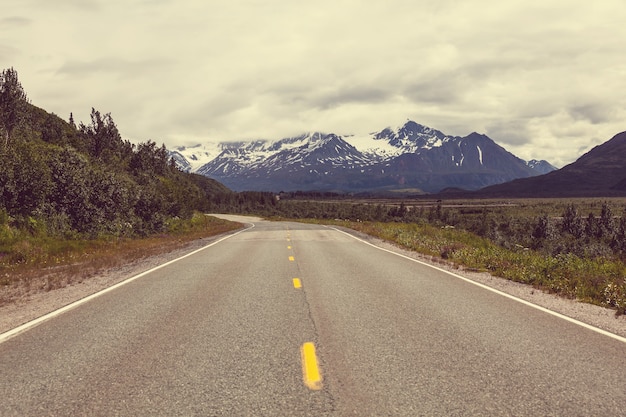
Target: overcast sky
{"type": "Point", "coordinates": [543, 78]}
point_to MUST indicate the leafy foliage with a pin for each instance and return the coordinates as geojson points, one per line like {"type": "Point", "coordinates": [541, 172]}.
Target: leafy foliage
{"type": "Point", "coordinates": [12, 102]}
{"type": "Point", "coordinates": [87, 181]}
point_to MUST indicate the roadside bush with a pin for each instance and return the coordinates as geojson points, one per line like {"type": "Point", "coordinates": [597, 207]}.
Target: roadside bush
{"type": "Point", "coordinates": [615, 296]}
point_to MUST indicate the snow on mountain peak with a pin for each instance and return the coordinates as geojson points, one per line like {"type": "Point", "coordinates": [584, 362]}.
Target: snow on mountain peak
{"type": "Point", "coordinates": [388, 143]}
{"type": "Point", "coordinates": [198, 155]}
{"type": "Point", "coordinates": [408, 138]}
{"type": "Point", "coordinates": [317, 149]}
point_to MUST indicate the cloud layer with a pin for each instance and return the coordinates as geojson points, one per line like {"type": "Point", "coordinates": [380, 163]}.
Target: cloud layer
{"type": "Point", "coordinates": [543, 79]}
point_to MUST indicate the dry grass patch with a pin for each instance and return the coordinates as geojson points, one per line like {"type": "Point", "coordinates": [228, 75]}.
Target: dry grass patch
{"type": "Point", "coordinates": [33, 265]}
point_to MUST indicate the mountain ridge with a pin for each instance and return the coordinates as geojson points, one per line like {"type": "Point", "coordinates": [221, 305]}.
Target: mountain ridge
{"type": "Point", "coordinates": [412, 155]}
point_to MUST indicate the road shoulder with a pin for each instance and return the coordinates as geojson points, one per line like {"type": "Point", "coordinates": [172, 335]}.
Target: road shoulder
{"type": "Point", "coordinates": [597, 316]}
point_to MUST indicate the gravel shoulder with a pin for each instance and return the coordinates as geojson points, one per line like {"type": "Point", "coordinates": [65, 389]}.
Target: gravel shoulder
{"type": "Point", "coordinates": [32, 306]}
{"type": "Point", "coordinates": [39, 304]}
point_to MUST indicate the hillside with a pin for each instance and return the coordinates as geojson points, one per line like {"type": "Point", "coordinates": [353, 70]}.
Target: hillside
{"type": "Point", "coordinates": [601, 172]}
{"type": "Point", "coordinates": [62, 179]}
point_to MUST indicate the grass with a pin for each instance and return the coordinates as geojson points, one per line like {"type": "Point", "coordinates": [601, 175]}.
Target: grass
{"type": "Point", "coordinates": [30, 264]}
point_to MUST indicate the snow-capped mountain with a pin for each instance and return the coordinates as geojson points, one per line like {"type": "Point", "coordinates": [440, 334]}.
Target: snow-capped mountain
{"type": "Point", "coordinates": [542, 167]}
{"type": "Point", "coordinates": [411, 156]}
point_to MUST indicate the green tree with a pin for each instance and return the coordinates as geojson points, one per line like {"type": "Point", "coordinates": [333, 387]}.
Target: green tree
{"type": "Point", "coordinates": [572, 223]}
{"type": "Point", "coordinates": [24, 179]}
{"type": "Point", "coordinates": [13, 102]}
{"type": "Point", "coordinates": [112, 196]}
{"type": "Point", "coordinates": [619, 241]}
{"type": "Point", "coordinates": [606, 223]}
{"type": "Point", "coordinates": [70, 196]}
{"type": "Point", "coordinates": [71, 121]}
{"type": "Point", "coordinates": [104, 140]}
{"type": "Point", "coordinates": [592, 229]}
{"type": "Point", "coordinates": [149, 160]}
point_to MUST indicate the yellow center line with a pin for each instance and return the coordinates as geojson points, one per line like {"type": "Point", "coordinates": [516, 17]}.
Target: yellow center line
{"type": "Point", "coordinates": [297, 283]}
{"type": "Point", "coordinates": [291, 258]}
{"type": "Point", "coordinates": [288, 247]}
{"type": "Point", "coordinates": [310, 370]}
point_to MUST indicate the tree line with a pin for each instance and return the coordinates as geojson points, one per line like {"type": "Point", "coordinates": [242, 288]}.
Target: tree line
{"type": "Point", "coordinates": [566, 232]}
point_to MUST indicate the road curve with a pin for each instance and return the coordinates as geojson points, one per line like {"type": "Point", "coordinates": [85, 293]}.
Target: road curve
{"type": "Point", "coordinates": [288, 319]}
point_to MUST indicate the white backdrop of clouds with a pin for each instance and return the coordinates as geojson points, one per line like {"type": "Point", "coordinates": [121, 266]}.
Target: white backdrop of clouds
{"type": "Point", "coordinates": [543, 78]}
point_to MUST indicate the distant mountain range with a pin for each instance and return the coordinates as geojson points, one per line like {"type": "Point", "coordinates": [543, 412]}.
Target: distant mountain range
{"type": "Point", "coordinates": [411, 158]}
{"type": "Point", "coordinates": [601, 172]}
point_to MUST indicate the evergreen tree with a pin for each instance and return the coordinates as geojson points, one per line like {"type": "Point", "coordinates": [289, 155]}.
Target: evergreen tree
{"type": "Point", "coordinates": [13, 102]}
{"type": "Point", "coordinates": [72, 123]}
{"type": "Point", "coordinates": [104, 140]}
{"type": "Point", "coordinates": [572, 223]}
{"type": "Point", "coordinates": [592, 230]}
{"type": "Point", "coordinates": [607, 226]}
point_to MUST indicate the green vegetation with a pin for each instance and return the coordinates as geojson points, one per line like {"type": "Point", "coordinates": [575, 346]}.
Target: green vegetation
{"type": "Point", "coordinates": [92, 183]}
{"type": "Point", "coordinates": [12, 103]}
{"type": "Point", "coordinates": [66, 181]}
{"type": "Point", "coordinates": [67, 191]}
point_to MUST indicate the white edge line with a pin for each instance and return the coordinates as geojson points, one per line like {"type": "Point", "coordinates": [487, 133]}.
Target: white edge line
{"type": "Point", "coordinates": [26, 326]}
{"type": "Point", "coordinates": [478, 284]}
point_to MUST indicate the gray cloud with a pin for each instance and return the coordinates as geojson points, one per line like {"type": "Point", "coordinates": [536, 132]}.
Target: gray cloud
{"type": "Point", "coordinates": [594, 113]}
{"type": "Point", "coordinates": [7, 53]}
{"type": "Point", "coordinates": [335, 98]}
{"type": "Point", "coordinates": [440, 89]}
{"type": "Point", "coordinates": [509, 132]}
{"type": "Point", "coordinates": [62, 4]}
{"type": "Point", "coordinates": [13, 21]}
{"type": "Point", "coordinates": [534, 75]}
{"type": "Point", "coordinates": [112, 65]}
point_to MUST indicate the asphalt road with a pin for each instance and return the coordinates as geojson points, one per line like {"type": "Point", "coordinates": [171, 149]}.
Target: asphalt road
{"type": "Point", "coordinates": [221, 333]}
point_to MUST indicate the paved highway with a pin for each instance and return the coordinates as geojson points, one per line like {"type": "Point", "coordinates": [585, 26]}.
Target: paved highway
{"type": "Point", "coordinates": [287, 319]}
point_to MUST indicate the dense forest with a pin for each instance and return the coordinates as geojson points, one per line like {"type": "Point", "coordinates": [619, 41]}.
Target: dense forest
{"type": "Point", "coordinates": [65, 180]}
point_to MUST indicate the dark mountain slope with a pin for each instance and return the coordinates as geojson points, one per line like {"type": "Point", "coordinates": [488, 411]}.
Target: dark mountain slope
{"type": "Point", "coordinates": [468, 163]}
{"type": "Point", "coordinates": [601, 172]}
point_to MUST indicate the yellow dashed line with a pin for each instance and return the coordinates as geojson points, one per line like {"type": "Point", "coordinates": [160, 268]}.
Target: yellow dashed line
{"type": "Point", "coordinates": [291, 258]}
{"type": "Point", "coordinates": [310, 370]}
{"type": "Point", "coordinates": [297, 283]}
